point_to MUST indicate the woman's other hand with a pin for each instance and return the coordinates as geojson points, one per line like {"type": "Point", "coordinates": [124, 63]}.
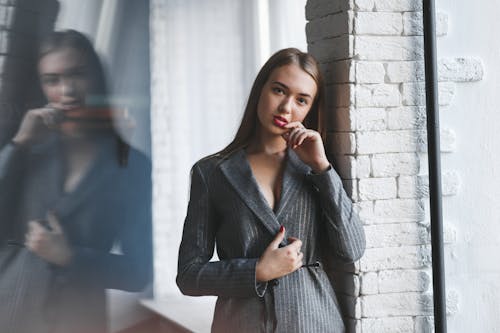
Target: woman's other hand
{"type": "Point", "coordinates": [276, 262]}
{"type": "Point", "coordinates": [49, 243]}
{"type": "Point", "coordinates": [36, 125]}
{"type": "Point", "coordinates": [308, 146]}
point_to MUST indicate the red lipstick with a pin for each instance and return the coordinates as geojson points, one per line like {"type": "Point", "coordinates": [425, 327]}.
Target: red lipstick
{"type": "Point", "coordinates": [279, 121]}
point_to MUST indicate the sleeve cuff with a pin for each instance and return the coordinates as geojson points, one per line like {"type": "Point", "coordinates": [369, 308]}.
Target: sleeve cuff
{"type": "Point", "coordinates": [260, 287]}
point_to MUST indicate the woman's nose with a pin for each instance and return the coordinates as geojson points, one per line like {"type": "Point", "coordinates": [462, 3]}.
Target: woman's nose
{"type": "Point", "coordinates": [286, 105]}
{"type": "Point", "coordinates": [68, 87]}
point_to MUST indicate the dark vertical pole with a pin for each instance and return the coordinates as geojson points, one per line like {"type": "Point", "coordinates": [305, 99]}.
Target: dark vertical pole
{"type": "Point", "coordinates": [432, 107]}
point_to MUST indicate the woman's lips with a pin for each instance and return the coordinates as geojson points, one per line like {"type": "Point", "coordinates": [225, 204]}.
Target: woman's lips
{"type": "Point", "coordinates": [280, 121]}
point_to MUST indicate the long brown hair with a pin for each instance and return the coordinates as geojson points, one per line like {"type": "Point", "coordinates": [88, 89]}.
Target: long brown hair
{"type": "Point", "coordinates": [315, 117]}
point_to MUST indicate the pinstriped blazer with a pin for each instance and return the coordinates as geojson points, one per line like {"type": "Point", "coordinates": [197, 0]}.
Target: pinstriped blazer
{"type": "Point", "coordinates": [227, 210]}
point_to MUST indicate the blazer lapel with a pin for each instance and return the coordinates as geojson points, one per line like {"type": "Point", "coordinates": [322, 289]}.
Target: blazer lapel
{"type": "Point", "coordinates": [293, 178]}
{"type": "Point", "coordinates": [239, 174]}
{"type": "Point", "coordinates": [101, 169]}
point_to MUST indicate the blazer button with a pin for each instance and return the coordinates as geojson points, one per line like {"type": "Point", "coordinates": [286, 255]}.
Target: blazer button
{"type": "Point", "coordinates": [275, 283]}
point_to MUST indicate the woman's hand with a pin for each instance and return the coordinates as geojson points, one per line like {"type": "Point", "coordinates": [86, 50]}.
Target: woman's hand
{"type": "Point", "coordinates": [308, 146]}
{"type": "Point", "coordinates": [276, 262]}
{"type": "Point", "coordinates": [48, 243]}
{"type": "Point", "coordinates": [37, 125]}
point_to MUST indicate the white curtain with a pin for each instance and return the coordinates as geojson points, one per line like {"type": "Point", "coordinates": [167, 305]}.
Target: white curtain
{"type": "Point", "coordinates": [204, 55]}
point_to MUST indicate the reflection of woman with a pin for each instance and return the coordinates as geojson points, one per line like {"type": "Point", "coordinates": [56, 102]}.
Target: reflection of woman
{"type": "Point", "coordinates": [71, 190]}
{"type": "Point", "coordinates": [275, 208]}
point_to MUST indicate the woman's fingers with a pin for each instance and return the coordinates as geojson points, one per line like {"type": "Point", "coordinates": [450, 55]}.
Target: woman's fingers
{"type": "Point", "coordinates": [51, 117]}
{"type": "Point", "coordinates": [277, 262]}
{"type": "Point", "coordinates": [35, 236]}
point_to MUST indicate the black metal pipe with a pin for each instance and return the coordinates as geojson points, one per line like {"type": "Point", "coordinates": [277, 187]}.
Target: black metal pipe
{"type": "Point", "coordinates": [434, 151]}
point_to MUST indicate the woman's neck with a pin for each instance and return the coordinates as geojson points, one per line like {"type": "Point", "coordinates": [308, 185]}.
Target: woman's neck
{"type": "Point", "coordinates": [267, 144]}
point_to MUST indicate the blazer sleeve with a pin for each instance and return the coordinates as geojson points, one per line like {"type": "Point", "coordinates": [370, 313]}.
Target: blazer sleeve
{"type": "Point", "coordinates": [345, 232]}
{"type": "Point", "coordinates": [12, 168]}
{"type": "Point", "coordinates": [197, 275]}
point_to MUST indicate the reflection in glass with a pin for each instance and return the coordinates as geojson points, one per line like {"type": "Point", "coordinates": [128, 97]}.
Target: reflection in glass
{"type": "Point", "coordinates": [71, 190]}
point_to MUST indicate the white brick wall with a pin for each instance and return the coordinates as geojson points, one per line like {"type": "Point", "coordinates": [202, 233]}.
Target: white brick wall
{"type": "Point", "coordinates": [372, 53]}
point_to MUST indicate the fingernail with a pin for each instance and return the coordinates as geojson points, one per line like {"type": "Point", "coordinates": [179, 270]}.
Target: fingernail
{"type": "Point", "coordinates": [282, 228]}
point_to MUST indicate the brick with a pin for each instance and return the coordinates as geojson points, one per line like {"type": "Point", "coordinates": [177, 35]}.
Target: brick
{"type": "Point", "coordinates": [413, 24]}
{"type": "Point", "coordinates": [342, 120]}
{"type": "Point", "coordinates": [398, 234]}
{"type": "Point", "coordinates": [369, 283]}
{"type": "Point", "coordinates": [388, 325]}
{"type": "Point", "coordinates": [413, 93]}
{"type": "Point", "coordinates": [413, 187]}
{"type": "Point", "coordinates": [424, 324]}
{"type": "Point", "coordinates": [350, 167]}
{"type": "Point", "coordinates": [377, 23]}
{"type": "Point", "coordinates": [418, 186]}
{"type": "Point", "coordinates": [341, 71]}
{"type": "Point", "coordinates": [393, 281]}
{"type": "Point", "coordinates": [341, 143]}
{"type": "Point", "coordinates": [387, 142]}
{"type": "Point", "coordinates": [398, 210]}
{"type": "Point", "coordinates": [377, 188]}
{"type": "Point", "coordinates": [406, 117]}
{"type": "Point", "coordinates": [330, 26]}
{"type": "Point", "coordinates": [364, 5]}
{"type": "Point", "coordinates": [347, 282]}
{"type": "Point", "coordinates": [370, 119]}
{"type": "Point", "coordinates": [377, 95]}
{"type": "Point", "coordinates": [351, 305]}
{"type": "Point", "coordinates": [405, 71]}
{"type": "Point", "coordinates": [363, 167]}
{"type": "Point", "coordinates": [389, 47]}
{"type": "Point", "coordinates": [460, 69]}
{"type": "Point", "coordinates": [395, 164]}
{"type": "Point", "coordinates": [370, 72]}
{"type": "Point", "coordinates": [353, 325]}
{"type": "Point", "coordinates": [339, 95]}
{"type": "Point", "coordinates": [397, 5]}
{"type": "Point", "coordinates": [345, 165]}
{"type": "Point", "coordinates": [364, 210]}
{"type": "Point", "coordinates": [337, 48]}
{"type": "Point", "coordinates": [351, 188]}
{"type": "Point", "coordinates": [403, 257]}
{"type": "Point", "coordinates": [398, 304]}
{"type": "Point", "coordinates": [447, 140]}
{"type": "Point", "coordinates": [321, 8]}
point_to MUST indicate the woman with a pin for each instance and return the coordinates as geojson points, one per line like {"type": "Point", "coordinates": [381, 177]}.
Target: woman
{"type": "Point", "coordinates": [276, 210]}
{"type": "Point", "coordinates": [71, 191]}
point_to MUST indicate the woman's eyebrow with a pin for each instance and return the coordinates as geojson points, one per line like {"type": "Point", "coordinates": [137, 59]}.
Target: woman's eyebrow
{"type": "Point", "coordinates": [286, 87]}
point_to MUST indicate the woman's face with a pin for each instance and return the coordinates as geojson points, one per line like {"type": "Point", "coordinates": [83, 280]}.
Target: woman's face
{"type": "Point", "coordinates": [287, 96]}
{"type": "Point", "coordinates": [64, 79]}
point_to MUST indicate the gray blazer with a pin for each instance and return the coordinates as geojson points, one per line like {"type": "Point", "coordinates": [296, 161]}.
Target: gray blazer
{"type": "Point", "coordinates": [227, 209]}
{"type": "Point", "coordinates": [111, 205]}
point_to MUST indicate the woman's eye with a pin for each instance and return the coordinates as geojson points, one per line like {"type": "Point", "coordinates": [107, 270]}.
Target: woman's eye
{"type": "Point", "coordinates": [302, 101]}
{"type": "Point", "coordinates": [49, 81]}
{"type": "Point", "coordinates": [278, 90]}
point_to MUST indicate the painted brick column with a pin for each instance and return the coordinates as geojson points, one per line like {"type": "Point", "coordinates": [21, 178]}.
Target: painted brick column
{"type": "Point", "coordinates": [371, 52]}
{"type": "Point", "coordinates": [22, 23]}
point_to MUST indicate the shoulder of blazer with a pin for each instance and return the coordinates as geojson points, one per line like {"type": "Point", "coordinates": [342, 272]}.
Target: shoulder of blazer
{"type": "Point", "coordinates": [208, 164]}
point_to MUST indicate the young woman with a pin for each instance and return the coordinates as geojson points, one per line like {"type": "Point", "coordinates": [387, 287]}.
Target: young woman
{"type": "Point", "coordinates": [276, 210]}
{"type": "Point", "coordinates": [70, 190]}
